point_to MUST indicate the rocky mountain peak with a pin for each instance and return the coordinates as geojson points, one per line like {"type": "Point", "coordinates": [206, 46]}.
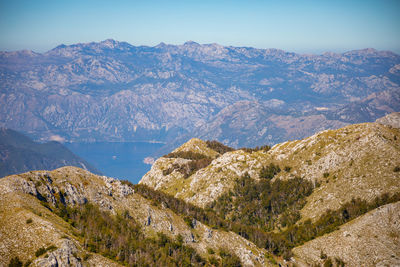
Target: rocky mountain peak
{"type": "Point", "coordinates": [191, 43]}
{"type": "Point", "coordinates": [196, 145]}
{"type": "Point", "coordinates": [110, 43]}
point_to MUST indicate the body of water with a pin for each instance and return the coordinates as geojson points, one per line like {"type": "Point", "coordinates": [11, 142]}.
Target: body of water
{"type": "Point", "coordinates": [118, 160]}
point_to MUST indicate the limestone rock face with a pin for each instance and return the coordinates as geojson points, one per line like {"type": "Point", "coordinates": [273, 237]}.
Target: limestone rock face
{"type": "Point", "coordinates": [61, 257]}
{"type": "Point", "coordinates": [392, 119]}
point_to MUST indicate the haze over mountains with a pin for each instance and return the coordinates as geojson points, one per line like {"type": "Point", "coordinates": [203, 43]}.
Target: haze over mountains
{"type": "Point", "coordinates": [242, 96]}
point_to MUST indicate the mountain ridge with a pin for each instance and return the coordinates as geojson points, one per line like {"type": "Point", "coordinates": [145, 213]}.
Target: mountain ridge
{"type": "Point", "coordinates": [321, 158]}
{"type": "Point", "coordinates": [114, 91]}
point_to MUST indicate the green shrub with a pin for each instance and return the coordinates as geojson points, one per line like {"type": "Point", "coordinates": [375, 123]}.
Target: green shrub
{"type": "Point", "coordinates": [339, 262]}
{"type": "Point", "coordinates": [28, 221]}
{"type": "Point", "coordinates": [268, 172]}
{"type": "Point", "coordinates": [218, 147]}
{"type": "Point", "coordinates": [126, 182]}
{"type": "Point", "coordinates": [328, 263]}
{"type": "Point", "coordinates": [210, 251]}
{"type": "Point", "coordinates": [326, 174]}
{"type": "Point", "coordinates": [15, 262]}
{"type": "Point", "coordinates": [119, 237]}
{"type": "Point", "coordinates": [213, 261]}
{"type": "Point", "coordinates": [287, 168]}
{"type": "Point", "coordinates": [186, 155]}
{"type": "Point", "coordinates": [323, 256]}
{"type": "Point", "coordinates": [40, 251]}
{"type": "Point", "coordinates": [265, 148]}
{"type": "Point", "coordinates": [396, 169]}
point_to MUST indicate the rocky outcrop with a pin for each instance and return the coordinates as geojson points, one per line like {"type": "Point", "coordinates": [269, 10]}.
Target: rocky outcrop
{"type": "Point", "coordinates": [392, 119]}
{"type": "Point", "coordinates": [62, 257]}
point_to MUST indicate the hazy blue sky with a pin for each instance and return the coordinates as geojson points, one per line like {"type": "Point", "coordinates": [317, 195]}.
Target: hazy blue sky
{"type": "Point", "coordinates": [300, 26]}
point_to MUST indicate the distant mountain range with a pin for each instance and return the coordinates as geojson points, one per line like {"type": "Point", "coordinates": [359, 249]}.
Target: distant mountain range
{"type": "Point", "coordinates": [19, 154]}
{"type": "Point", "coordinates": [242, 96]}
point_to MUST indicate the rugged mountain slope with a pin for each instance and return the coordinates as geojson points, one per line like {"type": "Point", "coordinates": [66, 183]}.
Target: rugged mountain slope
{"type": "Point", "coordinates": [257, 123]}
{"type": "Point", "coordinates": [392, 119]}
{"type": "Point", "coordinates": [352, 170]}
{"type": "Point", "coordinates": [20, 154]}
{"type": "Point", "coordinates": [370, 240]}
{"type": "Point", "coordinates": [75, 187]}
{"type": "Point", "coordinates": [273, 121]}
{"type": "Point", "coordinates": [115, 91]}
{"type": "Point", "coordinates": [344, 162]}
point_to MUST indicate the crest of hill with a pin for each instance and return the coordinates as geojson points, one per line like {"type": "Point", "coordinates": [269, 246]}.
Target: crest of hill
{"type": "Point", "coordinates": [392, 119]}
{"type": "Point", "coordinates": [344, 162]}
{"type": "Point", "coordinates": [197, 146]}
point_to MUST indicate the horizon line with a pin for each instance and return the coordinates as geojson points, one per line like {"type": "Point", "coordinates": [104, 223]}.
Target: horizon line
{"type": "Point", "coordinates": [344, 51]}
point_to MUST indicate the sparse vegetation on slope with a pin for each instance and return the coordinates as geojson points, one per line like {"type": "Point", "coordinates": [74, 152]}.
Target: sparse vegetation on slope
{"type": "Point", "coordinates": [49, 191]}
{"type": "Point", "coordinates": [219, 147]}
{"type": "Point", "coordinates": [264, 148]}
{"type": "Point", "coordinates": [264, 204]}
{"type": "Point", "coordinates": [268, 172]}
{"type": "Point", "coordinates": [120, 238]}
{"type": "Point", "coordinates": [253, 224]}
{"type": "Point", "coordinates": [189, 167]}
{"type": "Point", "coordinates": [186, 155]}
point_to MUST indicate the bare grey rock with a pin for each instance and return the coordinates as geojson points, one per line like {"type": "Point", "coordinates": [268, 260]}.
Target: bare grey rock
{"type": "Point", "coordinates": [392, 119]}
{"type": "Point", "coordinates": [65, 256]}
{"type": "Point", "coordinates": [73, 196]}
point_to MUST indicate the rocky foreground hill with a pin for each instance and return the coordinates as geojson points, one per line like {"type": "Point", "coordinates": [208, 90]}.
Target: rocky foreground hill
{"type": "Point", "coordinates": [331, 199]}
{"type": "Point", "coordinates": [31, 220]}
{"type": "Point", "coordinates": [114, 91]}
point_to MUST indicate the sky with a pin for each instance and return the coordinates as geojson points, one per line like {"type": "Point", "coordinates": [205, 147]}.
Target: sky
{"type": "Point", "coordinates": [302, 26]}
